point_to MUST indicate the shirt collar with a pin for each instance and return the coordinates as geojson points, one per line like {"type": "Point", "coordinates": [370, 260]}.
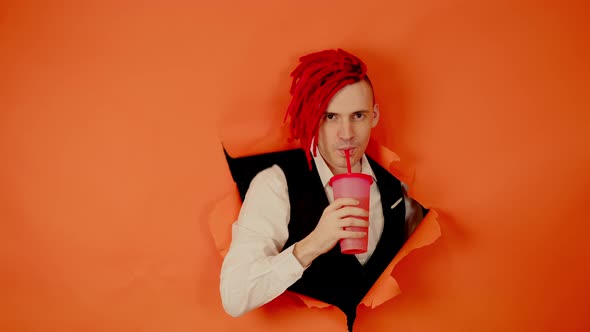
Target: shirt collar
{"type": "Point", "coordinates": [326, 174]}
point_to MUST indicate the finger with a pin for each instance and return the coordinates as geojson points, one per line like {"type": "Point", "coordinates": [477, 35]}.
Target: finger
{"type": "Point", "coordinates": [340, 202]}
{"type": "Point", "coordinates": [352, 234]}
{"type": "Point", "coordinates": [351, 211]}
{"type": "Point", "coordinates": [355, 222]}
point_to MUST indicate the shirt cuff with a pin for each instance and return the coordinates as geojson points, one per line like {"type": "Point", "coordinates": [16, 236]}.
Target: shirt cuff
{"type": "Point", "coordinates": [288, 267]}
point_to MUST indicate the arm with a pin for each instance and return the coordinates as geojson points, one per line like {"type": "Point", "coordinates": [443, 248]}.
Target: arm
{"type": "Point", "coordinates": [254, 271]}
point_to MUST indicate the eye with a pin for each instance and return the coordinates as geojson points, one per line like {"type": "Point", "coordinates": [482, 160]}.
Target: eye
{"type": "Point", "coordinates": [359, 115]}
{"type": "Point", "coordinates": [330, 116]}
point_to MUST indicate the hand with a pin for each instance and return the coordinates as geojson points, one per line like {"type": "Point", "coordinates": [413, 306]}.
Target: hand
{"type": "Point", "coordinates": [330, 229]}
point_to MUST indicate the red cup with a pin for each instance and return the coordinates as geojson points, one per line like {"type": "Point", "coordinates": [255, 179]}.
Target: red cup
{"type": "Point", "coordinates": [357, 186]}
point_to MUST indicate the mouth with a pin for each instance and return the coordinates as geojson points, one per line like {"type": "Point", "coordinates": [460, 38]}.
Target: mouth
{"type": "Point", "coordinates": [342, 151]}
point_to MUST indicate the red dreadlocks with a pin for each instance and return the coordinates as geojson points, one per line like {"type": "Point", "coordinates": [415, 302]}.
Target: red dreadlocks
{"type": "Point", "coordinates": [317, 78]}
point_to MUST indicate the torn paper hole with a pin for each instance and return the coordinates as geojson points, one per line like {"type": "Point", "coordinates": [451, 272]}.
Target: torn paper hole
{"type": "Point", "coordinates": [225, 212]}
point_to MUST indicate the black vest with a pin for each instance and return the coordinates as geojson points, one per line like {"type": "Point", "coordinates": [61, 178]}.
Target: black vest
{"type": "Point", "coordinates": [333, 277]}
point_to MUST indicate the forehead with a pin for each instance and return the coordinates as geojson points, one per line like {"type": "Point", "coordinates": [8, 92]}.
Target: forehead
{"type": "Point", "coordinates": [352, 98]}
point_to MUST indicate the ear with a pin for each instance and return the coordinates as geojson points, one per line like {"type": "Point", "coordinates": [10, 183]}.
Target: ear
{"type": "Point", "coordinates": [375, 115]}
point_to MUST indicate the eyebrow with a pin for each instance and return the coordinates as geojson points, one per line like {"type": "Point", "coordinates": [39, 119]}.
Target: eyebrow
{"type": "Point", "coordinates": [355, 112]}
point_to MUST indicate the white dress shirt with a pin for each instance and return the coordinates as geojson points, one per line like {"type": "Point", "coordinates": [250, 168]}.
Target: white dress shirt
{"type": "Point", "coordinates": [255, 271]}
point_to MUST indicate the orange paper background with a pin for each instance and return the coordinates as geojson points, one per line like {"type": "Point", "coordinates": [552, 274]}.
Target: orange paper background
{"type": "Point", "coordinates": [112, 116]}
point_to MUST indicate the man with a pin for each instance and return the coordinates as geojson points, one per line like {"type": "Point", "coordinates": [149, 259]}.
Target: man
{"type": "Point", "coordinates": [286, 236]}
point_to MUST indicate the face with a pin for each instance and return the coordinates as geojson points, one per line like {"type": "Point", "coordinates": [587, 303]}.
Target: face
{"type": "Point", "coordinates": [347, 125]}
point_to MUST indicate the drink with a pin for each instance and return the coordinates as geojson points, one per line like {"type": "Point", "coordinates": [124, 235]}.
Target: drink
{"type": "Point", "coordinates": [357, 186]}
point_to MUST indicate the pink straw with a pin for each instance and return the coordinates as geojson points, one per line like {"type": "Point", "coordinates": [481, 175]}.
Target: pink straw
{"type": "Point", "coordinates": [347, 152]}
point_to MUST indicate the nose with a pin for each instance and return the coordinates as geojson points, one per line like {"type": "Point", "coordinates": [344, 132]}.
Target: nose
{"type": "Point", "coordinates": [345, 131]}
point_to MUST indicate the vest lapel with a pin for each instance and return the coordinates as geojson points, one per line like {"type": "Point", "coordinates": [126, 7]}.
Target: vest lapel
{"type": "Point", "coordinates": [392, 237]}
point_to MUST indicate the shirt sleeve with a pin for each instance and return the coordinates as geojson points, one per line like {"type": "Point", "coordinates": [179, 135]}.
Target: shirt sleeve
{"type": "Point", "coordinates": [255, 271]}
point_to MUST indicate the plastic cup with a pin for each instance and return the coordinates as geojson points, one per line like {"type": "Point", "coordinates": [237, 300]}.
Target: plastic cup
{"type": "Point", "coordinates": [357, 186]}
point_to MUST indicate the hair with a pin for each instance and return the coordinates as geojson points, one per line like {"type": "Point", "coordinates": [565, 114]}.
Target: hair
{"type": "Point", "coordinates": [317, 78]}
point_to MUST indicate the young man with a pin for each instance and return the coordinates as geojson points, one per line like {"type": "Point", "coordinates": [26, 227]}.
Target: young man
{"type": "Point", "coordinates": [287, 232]}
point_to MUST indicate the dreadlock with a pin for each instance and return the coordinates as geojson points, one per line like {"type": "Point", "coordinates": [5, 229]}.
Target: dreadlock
{"type": "Point", "coordinates": [317, 78]}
